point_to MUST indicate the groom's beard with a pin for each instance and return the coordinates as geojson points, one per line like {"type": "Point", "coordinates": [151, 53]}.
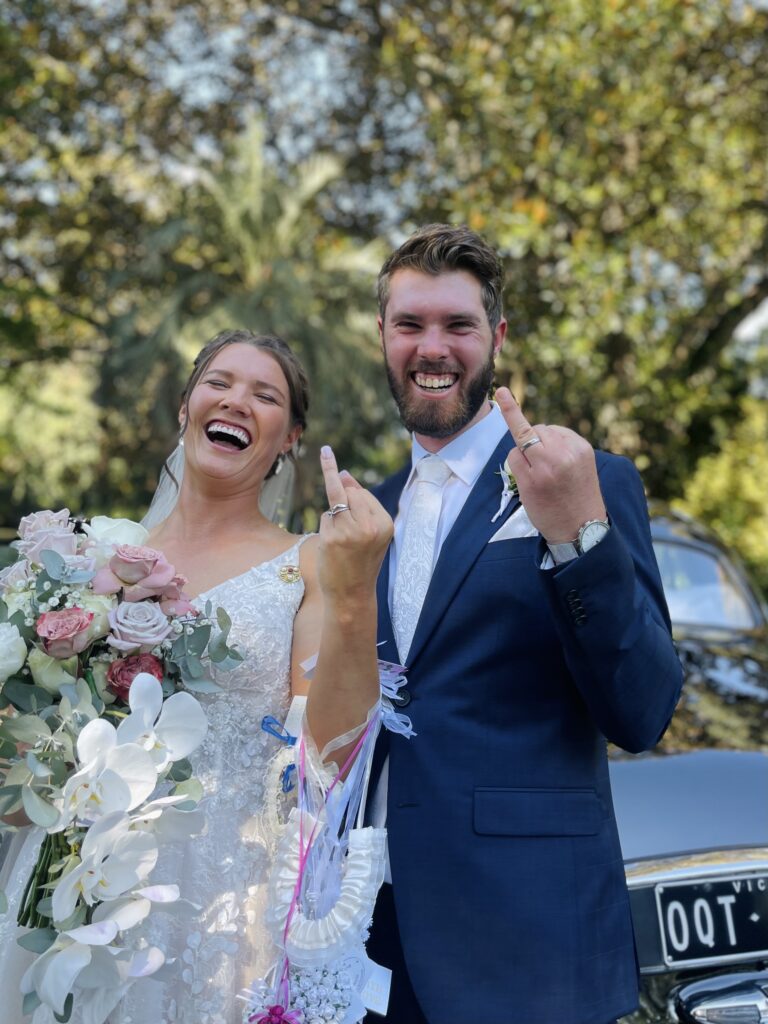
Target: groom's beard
{"type": "Point", "coordinates": [440, 419]}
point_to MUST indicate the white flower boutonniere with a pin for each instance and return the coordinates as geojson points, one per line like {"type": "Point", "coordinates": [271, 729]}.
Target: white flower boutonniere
{"type": "Point", "coordinates": [508, 490]}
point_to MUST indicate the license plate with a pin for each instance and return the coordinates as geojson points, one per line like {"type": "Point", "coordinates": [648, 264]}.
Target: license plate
{"type": "Point", "coordinates": [713, 919]}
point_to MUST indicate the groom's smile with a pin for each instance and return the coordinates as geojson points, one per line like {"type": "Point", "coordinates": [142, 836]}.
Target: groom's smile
{"type": "Point", "coordinates": [439, 350]}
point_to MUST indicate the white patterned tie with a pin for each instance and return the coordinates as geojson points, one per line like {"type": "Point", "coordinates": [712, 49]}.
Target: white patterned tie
{"type": "Point", "coordinates": [414, 561]}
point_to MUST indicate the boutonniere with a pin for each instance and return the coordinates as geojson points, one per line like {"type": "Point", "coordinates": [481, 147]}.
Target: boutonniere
{"type": "Point", "coordinates": [508, 490]}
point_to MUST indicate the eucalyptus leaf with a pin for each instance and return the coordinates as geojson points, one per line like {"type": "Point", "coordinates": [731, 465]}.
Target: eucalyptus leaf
{"type": "Point", "coordinates": [208, 608]}
{"type": "Point", "coordinates": [231, 661]}
{"type": "Point", "coordinates": [27, 633]}
{"type": "Point", "coordinates": [179, 648]}
{"type": "Point", "coordinates": [69, 690]}
{"type": "Point", "coordinates": [75, 919]}
{"type": "Point", "coordinates": [218, 650]}
{"type": "Point", "coordinates": [224, 621]}
{"type": "Point", "coordinates": [45, 905]}
{"type": "Point", "coordinates": [38, 769]}
{"type": "Point", "coordinates": [197, 643]}
{"type": "Point", "coordinates": [3, 611]}
{"type": "Point", "coordinates": [38, 810]}
{"type": "Point", "coordinates": [30, 1003]}
{"type": "Point", "coordinates": [59, 771]}
{"type": "Point", "coordinates": [190, 788]}
{"type": "Point", "coordinates": [54, 564]}
{"type": "Point", "coordinates": [3, 903]}
{"type": "Point", "coordinates": [180, 771]}
{"type": "Point", "coordinates": [26, 696]}
{"type": "Point", "coordinates": [38, 940]}
{"type": "Point", "coordinates": [7, 749]}
{"type": "Point", "coordinates": [191, 668]}
{"type": "Point", "coordinates": [26, 728]}
{"type": "Point", "coordinates": [10, 799]}
{"type": "Point", "coordinates": [44, 585]}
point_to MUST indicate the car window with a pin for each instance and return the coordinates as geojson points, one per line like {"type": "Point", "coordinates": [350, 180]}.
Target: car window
{"type": "Point", "coordinates": [702, 588]}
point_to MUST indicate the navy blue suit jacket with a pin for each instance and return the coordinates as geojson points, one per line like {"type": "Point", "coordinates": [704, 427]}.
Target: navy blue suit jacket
{"type": "Point", "coordinates": [506, 866]}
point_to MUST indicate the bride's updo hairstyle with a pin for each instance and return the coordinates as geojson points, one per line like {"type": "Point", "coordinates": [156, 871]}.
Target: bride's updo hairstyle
{"type": "Point", "coordinates": [295, 375]}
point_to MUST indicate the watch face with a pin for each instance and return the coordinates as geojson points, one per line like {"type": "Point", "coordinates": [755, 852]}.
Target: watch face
{"type": "Point", "coordinates": [591, 534]}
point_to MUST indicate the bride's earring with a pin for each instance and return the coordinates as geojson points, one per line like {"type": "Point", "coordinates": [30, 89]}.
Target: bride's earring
{"type": "Point", "coordinates": [279, 462]}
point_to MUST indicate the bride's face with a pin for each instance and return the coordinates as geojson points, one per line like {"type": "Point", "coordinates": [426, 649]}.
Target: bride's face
{"type": "Point", "coordinates": [238, 417]}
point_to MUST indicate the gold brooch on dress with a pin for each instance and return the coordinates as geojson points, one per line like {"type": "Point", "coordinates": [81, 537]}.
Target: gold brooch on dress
{"type": "Point", "coordinates": [289, 573]}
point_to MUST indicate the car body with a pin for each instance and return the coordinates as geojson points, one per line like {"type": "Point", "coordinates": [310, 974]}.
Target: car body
{"type": "Point", "coordinates": [693, 813]}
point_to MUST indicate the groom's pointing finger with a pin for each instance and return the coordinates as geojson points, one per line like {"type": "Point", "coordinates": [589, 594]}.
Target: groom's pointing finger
{"type": "Point", "coordinates": [519, 427]}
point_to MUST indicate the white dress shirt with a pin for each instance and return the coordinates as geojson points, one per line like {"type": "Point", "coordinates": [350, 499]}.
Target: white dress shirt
{"type": "Point", "coordinates": [465, 455]}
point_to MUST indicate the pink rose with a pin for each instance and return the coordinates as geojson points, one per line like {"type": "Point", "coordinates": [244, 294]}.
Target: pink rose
{"type": "Point", "coordinates": [46, 531]}
{"type": "Point", "coordinates": [123, 671]}
{"type": "Point", "coordinates": [62, 541]}
{"type": "Point", "coordinates": [45, 520]}
{"type": "Point", "coordinates": [65, 632]}
{"type": "Point", "coordinates": [174, 601]}
{"type": "Point", "coordinates": [139, 572]}
{"type": "Point", "coordinates": [138, 626]}
{"type": "Point", "coordinates": [17, 572]}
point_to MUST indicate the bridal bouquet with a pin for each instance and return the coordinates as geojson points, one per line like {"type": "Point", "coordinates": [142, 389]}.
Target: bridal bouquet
{"type": "Point", "coordinates": [96, 641]}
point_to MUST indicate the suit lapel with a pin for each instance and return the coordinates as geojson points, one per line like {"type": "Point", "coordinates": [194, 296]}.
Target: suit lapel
{"type": "Point", "coordinates": [462, 547]}
{"type": "Point", "coordinates": [389, 495]}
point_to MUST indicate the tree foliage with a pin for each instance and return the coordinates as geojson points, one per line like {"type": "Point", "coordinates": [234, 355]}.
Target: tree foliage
{"type": "Point", "coordinates": [617, 153]}
{"type": "Point", "coordinates": [170, 167]}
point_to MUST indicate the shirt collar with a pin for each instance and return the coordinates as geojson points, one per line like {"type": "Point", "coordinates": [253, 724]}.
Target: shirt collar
{"type": "Point", "coordinates": [467, 454]}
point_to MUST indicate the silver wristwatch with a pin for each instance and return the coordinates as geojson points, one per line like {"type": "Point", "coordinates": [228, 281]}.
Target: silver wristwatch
{"type": "Point", "coordinates": [590, 534]}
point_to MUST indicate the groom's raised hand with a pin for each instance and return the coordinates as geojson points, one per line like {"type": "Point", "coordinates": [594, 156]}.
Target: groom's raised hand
{"type": "Point", "coordinates": [353, 540]}
{"type": "Point", "coordinates": [556, 475]}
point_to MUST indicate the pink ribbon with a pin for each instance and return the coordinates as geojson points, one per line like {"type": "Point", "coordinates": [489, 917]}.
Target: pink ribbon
{"type": "Point", "coordinates": [276, 1015]}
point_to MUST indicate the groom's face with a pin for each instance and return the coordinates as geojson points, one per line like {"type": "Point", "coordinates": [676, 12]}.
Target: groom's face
{"type": "Point", "coordinates": [439, 351]}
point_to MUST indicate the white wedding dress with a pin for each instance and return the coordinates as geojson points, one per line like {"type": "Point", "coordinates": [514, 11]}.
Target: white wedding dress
{"type": "Point", "coordinates": [223, 947]}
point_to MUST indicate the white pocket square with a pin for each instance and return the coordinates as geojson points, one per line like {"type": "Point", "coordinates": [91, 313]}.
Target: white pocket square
{"type": "Point", "coordinates": [518, 525]}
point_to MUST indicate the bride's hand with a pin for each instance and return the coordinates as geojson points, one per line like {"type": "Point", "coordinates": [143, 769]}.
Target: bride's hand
{"type": "Point", "coordinates": [353, 541]}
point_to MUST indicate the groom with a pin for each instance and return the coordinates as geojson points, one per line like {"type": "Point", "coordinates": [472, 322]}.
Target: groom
{"type": "Point", "coordinates": [533, 625]}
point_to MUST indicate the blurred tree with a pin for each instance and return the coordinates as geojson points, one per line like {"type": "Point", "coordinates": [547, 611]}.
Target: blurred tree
{"type": "Point", "coordinates": [617, 152]}
{"type": "Point", "coordinates": [728, 491]}
{"type": "Point", "coordinates": [242, 248]}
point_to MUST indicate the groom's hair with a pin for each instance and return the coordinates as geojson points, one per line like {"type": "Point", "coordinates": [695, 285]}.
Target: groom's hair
{"type": "Point", "coordinates": [440, 248]}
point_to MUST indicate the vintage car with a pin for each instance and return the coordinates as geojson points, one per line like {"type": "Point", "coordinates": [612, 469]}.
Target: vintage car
{"type": "Point", "coordinates": [693, 814]}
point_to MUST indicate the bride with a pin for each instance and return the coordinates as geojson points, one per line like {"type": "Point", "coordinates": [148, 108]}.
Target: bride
{"type": "Point", "coordinates": [243, 410]}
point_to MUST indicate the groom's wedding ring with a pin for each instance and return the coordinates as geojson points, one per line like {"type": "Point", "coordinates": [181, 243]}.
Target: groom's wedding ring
{"type": "Point", "coordinates": [530, 443]}
{"type": "Point", "coordinates": [335, 509]}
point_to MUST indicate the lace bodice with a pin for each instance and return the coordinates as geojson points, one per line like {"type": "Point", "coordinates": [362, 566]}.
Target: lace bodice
{"type": "Point", "coordinates": [224, 947]}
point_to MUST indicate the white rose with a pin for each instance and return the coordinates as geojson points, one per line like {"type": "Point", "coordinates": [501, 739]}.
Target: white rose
{"type": "Point", "coordinates": [13, 651]}
{"type": "Point", "coordinates": [101, 605]}
{"type": "Point", "coordinates": [51, 673]}
{"type": "Point", "coordinates": [105, 530]}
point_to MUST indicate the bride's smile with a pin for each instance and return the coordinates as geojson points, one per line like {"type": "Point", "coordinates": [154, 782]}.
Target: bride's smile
{"type": "Point", "coordinates": [237, 420]}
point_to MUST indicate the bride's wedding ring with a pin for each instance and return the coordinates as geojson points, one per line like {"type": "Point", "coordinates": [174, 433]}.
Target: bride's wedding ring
{"type": "Point", "coordinates": [530, 443]}
{"type": "Point", "coordinates": [335, 509]}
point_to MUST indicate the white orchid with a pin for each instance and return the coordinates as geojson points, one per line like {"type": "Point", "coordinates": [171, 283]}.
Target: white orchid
{"type": "Point", "coordinates": [53, 975]}
{"type": "Point", "coordinates": [114, 860]}
{"type": "Point", "coordinates": [169, 730]}
{"type": "Point", "coordinates": [114, 776]}
{"type": "Point", "coordinates": [84, 957]}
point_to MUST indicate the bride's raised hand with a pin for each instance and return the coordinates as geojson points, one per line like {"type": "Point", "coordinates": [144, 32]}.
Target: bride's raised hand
{"type": "Point", "coordinates": [354, 535]}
